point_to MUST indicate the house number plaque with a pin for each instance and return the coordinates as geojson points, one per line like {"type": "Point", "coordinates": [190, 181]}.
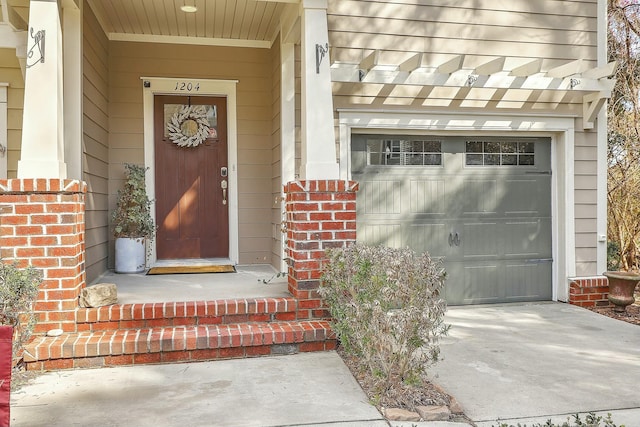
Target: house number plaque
{"type": "Point", "coordinates": [187, 86]}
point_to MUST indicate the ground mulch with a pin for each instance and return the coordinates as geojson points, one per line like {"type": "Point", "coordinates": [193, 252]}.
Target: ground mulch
{"type": "Point", "coordinates": [399, 394]}
{"type": "Point", "coordinates": [630, 315]}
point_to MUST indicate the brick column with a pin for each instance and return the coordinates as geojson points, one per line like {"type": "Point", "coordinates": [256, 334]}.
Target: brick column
{"type": "Point", "coordinates": [42, 224]}
{"type": "Point", "coordinates": [589, 291]}
{"type": "Point", "coordinates": [321, 214]}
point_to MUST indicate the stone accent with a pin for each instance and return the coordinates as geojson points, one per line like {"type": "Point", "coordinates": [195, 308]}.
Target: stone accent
{"type": "Point", "coordinates": [589, 291]}
{"type": "Point", "coordinates": [99, 295]}
{"type": "Point", "coordinates": [455, 406]}
{"type": "Point", "coordinates": [434, 413]}
{"type": "Point", "coordinates": [397, 414]}
{"type": "Point", "coordinates": [42, 224]}
{"type": "Point", "coordinates": [321, 215]}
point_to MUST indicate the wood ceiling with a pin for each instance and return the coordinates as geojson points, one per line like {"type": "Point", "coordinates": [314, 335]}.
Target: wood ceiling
{"type": "Point", "coordinates": [253, 22]}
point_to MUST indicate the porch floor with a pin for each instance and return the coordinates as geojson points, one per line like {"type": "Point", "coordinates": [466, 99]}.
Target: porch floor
{"type": "Point", "coordinates": [246, 282]}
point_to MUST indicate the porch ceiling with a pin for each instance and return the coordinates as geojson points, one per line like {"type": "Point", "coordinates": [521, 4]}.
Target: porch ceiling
{"type": "Point", "coordinates": [252, 23]}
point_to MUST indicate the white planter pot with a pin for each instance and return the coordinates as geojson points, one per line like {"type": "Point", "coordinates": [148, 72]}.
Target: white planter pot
{"type": "Point", "coordinates": [130, 255]}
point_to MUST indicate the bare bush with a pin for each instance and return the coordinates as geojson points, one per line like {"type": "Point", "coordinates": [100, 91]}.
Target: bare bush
{"type": "Point", "coordinates": [387, 309]}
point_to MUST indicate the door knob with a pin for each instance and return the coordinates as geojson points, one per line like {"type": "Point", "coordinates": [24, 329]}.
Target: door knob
{"type": "Point", "coordinates": [223, 185]}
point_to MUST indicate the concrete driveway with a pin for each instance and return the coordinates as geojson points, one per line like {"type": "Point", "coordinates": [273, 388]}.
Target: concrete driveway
{"type": "Point", "coordinates": [532, 362]}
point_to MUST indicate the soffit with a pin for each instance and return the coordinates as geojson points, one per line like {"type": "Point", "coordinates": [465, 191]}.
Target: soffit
{"type": "Point", "coordinates": [216, 22]}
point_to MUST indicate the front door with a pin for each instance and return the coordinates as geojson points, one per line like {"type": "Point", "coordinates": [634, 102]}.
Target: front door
{"type": "Point", "coordinates": [191, 177]}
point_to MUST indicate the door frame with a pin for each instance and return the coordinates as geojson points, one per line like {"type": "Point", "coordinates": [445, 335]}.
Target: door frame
{"type": "Point", "coordinates": [560, 129]}
{"type": "Point", "coordinates": [194, 87]}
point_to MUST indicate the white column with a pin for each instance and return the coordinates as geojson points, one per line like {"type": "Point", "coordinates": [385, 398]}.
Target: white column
{"type": "Point", "coordinates": [601, 129]}
{"type": "Point", "coordinates": [318, 137]}
{"type": "Point", "coordinates": [72, 40]}
{"type": "Point", "coordinates": [42, 150]}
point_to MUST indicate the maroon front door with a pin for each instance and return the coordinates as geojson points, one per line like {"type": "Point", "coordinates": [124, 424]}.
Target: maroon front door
{"type": "Point", "coordinates": [191, 181]}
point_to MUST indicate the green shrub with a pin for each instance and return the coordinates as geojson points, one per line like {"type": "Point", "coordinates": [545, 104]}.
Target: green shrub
{"type": "Point", "coordinates": [132, 216]}
{"type": "Point", "coordinates": [591, 420]}
{"type": "Point", "coordinates": [18, 290]}
{"type": "Point", "coordinates": [387, 309]}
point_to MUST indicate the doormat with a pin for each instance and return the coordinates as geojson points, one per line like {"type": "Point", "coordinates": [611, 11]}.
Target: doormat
{"type": "Point", "coordinates": [192, 269]}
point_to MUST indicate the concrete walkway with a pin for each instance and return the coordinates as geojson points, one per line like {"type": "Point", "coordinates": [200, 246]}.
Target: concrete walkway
{"type": "Point", "coordinates": [518, 363]}
{"type": "Point", "coordinates": [304, 389]}
{"type": "Point", "coordinates": [532, 362]}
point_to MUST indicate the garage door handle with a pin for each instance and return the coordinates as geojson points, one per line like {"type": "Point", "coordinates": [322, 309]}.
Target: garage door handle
{"type": "Point", "coordinates": [456, 240]}
{"type": "Point", "coordinates": [450, 239]}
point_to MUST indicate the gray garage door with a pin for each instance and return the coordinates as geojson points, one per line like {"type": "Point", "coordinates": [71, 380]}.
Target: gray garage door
{"type": "Point", "coordinates": [482, 204]}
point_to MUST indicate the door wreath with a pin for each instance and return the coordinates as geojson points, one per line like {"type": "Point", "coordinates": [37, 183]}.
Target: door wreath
{"type": "Point", "coordinates": [189, 126]}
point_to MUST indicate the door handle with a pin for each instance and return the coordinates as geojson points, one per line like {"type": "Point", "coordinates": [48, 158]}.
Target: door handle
{"type": "Point", "coordinates": [450, 239]}
{"type": "Point", "coordinates": [223, 185]}
{"type": "Point", "coordinates": [456, 239]}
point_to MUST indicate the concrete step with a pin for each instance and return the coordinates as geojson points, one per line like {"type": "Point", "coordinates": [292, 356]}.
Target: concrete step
{"type": "Point", "coordinates": [189, 313]}
{"type": "Point", "coordinates": [177, 344]}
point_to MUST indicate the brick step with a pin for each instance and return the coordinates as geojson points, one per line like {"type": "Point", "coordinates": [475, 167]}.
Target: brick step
{"type": "Point", "coordinates": [177, 344]}
{"type": "Point", "coordinates": [189, 313]}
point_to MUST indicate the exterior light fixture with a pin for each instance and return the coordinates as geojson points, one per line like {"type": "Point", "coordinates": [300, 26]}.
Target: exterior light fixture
{"type": "Point", "coordinates": [189, 8]}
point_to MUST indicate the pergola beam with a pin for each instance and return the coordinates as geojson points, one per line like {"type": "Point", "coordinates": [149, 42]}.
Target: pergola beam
{"type": "Point", "coordinates": [451, 66]}
{"type": "Point", "coordinates": [411, 64]}
{"type": "Point", "coordinates": [349, 73]}
{"type": "Point", "coordinates": [492, 67]}
{"type": "Point", "coordinates": [566, 70]}
{"type": "Point", "coordinates": [528, 69]}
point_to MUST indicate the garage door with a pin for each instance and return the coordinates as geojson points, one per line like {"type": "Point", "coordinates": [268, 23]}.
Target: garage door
{"type": "Point", "coordinates": [482, 204]}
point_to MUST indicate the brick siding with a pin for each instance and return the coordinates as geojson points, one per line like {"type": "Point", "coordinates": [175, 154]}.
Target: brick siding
{"type": "Point", "coordinates": [589, 291]}
{"type": "Point", "coordinates": [42, 224]}
{"type": "Point", "coordinates": [320, 215]}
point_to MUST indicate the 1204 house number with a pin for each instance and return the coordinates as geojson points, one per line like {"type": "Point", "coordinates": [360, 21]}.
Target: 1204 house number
{"type": "Point", "coordinates": [187, 87]}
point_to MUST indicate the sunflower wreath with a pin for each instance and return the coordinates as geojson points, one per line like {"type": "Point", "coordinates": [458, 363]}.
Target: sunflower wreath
{"type": "Point", "coordinates": [198, 114]}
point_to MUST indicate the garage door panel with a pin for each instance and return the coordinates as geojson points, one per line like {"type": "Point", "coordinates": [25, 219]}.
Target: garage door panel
{"type": "Point", "coordinates": [428, 196]}
{"type": "Point", "coordinates": [527, 197]}
{"type": "Point", "coordinates": [381, 234]}
{"type": "Point", "coordinates": [527, 281]}
{"type": "Point", "coordinates": [480, 196]}
{"type": "Point", "coordinates": [481, 284]}
{"type": "Point", "coordinates": [380, 197]}
{"type": "Point", "coordinates": [527, 239]}
{"type": "Point", "coordinates": [431, 238]}
{"type": "Point", "coordinates": [478, 240]}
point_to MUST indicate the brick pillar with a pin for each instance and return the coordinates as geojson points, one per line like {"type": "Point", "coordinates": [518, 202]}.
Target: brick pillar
{"type": "Point", "coordinates": [42, 224]}
{"type": "Point", "coordinates": [589, 291]}
{"type": "Point", "coordinates": [321, 214]}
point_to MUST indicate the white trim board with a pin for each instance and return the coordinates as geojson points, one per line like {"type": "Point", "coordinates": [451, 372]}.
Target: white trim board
{"type": "Point", "coordinates": [561, 130]}
{"type": "Point", "coordinates": [173, 86]}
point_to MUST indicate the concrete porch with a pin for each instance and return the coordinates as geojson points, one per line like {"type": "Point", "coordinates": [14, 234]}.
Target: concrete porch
{"type": "Point", "coordinates": [246, 282]}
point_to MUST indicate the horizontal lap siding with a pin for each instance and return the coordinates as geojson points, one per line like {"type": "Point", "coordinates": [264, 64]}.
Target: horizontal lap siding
{"type": "Point", "coordinates": [95, 145]}
{"type": "Point", "coordinates": [11, 73]}
{"type": "Point", "coordinates": [253, 69]}
{"type": "Point", "coordinates": [557, 31]}
{"type": "Point", "coordinates": [276, 167]}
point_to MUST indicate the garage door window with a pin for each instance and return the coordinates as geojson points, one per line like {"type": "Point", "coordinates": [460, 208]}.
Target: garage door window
{"type": "Point", "coordinates": [402, 152]}
{"type": "Point", "coordinates": [494, 153]}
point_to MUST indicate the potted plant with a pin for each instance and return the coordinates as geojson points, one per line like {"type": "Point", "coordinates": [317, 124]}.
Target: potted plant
{"type": "Point", "coordinates": [132, 222]}
{"type": "Point", "coordinates": [18, 290]}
